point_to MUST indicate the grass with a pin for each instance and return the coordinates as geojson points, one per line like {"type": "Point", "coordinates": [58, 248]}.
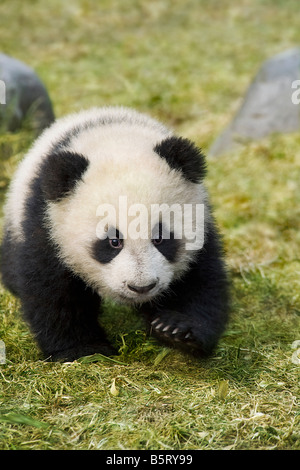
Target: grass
{"type": "Point", "coordinates": [187, 64]}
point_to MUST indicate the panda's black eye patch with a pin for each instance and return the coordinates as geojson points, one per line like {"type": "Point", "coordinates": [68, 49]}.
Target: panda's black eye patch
{"type": "Point", "coordinates": [105, 250]}
{"type": "Point", "coordinates": [165, 243]}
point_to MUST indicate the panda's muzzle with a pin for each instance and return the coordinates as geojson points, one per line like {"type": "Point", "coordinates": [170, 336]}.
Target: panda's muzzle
{"type": "Point", "coordinates": [142, 289]}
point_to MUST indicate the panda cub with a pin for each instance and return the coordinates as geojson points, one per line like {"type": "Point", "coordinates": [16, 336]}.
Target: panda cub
{"type": "Point", "coordinates": [108, 203]}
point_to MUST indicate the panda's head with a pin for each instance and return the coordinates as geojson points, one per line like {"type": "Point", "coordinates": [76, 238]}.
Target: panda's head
{"type": "Point", "coordinates": [122, 207]}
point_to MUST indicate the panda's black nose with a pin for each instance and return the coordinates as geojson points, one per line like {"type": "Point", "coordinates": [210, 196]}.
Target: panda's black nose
{"type": "Point", "coordinates": [142, 289]}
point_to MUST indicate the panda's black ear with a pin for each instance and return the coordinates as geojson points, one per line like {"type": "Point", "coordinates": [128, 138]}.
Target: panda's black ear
{"type": "Point", "coordinates": [59, 173]}
{"type": "Point", "coordinates": [181, 154]}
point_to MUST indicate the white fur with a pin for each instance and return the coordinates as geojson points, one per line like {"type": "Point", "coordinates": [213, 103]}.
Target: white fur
{"type": "Point", "coordinates": [122, 163]}
{"type": "Point", "coordinates": [29, 166]}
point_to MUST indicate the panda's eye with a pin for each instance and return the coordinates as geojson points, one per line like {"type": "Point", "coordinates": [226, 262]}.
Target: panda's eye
{"type": "Point", "coordinates": [116, 243]}
{"type": "Point", "coordinates": [157, 240]}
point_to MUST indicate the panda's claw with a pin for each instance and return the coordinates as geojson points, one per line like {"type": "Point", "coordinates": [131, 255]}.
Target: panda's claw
{"type": "Point", "coordinates": [155, 321]}
{"type": "Point", "coordinates": [166, 328]}
{"type": "Point", "coordinates": [173, 328]}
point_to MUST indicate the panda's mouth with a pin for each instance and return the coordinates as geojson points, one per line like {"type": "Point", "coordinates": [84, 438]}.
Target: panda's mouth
{"type": "Point", "coordinates": [139, 294]}
{"type": "Point", "coordinates": [140, 290]}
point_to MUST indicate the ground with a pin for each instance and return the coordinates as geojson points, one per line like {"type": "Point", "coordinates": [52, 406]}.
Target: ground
{"type": "Point", "coordinates": [188, 64]}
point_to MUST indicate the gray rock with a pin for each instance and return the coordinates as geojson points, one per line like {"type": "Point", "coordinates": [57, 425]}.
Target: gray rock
{"type": "Point", "coordinates": [22, 96]}
{"type": "Point", "coordinates": [267, 107]}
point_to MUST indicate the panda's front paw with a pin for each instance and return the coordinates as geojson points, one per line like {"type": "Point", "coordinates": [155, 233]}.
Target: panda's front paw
{"type": "Point", "coordinates": [173, 329]}
{"type": "Point", "coordinates": [184, 332]}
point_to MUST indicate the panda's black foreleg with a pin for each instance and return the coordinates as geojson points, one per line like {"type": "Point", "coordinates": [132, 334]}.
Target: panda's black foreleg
{"type": "Point", "coordinates": [191, 331]}
{"type": "Point", "coordinates": [193, 314]}
{"type": "Point", "coordinates": [66, 327]}
{"type": "Point", "coordinates": [62, 314]}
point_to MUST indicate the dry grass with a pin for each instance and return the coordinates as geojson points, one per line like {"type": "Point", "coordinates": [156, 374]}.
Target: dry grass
{"type": "Point", "coordinates": [245, 396]}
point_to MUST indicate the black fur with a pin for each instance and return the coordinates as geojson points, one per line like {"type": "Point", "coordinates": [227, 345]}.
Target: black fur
{"type": "Point", "coordinates": [183, 155]}
{"type": "Point", "coordinates": [59, 173]}
{"type": "Point", "coordinates": [168, 246]}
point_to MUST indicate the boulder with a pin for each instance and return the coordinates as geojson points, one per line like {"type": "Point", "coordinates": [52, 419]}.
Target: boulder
{"type": "Point", "coordinates": [268, 107]}
{"type": "Point", "coordinates": [22, 96]}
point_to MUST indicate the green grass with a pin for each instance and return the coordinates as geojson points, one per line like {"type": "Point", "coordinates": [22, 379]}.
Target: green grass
{"type": "Point", "coordinates": [187, 63]}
